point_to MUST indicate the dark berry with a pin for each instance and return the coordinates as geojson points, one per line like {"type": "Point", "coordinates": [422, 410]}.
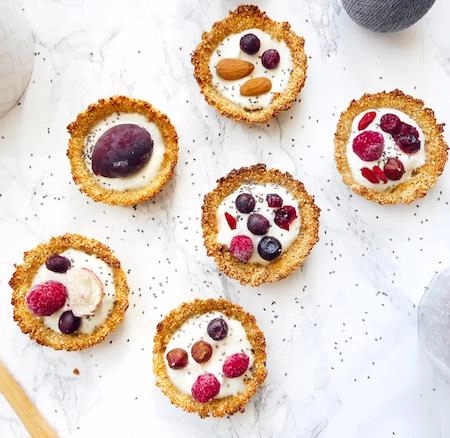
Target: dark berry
{"type": "Point", "coordinates": [408, 143]}
{"type": "Point", "coordinates": [201, 351]}
{"type": "Point", "coordinates": [394, 169]}
{"type": "Point", "coordinates": [407, 129]}
{"type": "Point", "coordinates": [270, 59]}
{"type": "Point", "coordinates": [269, 248]}
{"type": "Point", "coordinates": [69, 323]}
{"type": "Point", "coordinates": [369, 175]}
{"type": "Point", "coordinates": [390, 123]}
{"type": "Point", "coordinates": [57, 263]}
{"type": "Point", "coordinates": [245, 203]}
{"type": "Point", "coordinates": [284, 216]}
{"type": "Point", "coordinates": [368, 145]}
{"type": "Point", "coordinates": [177, 358]}
{"type": "Point", "coordinates": [366, 120]}
{"type": "Point", "coordinates": [121, 151]}
{"type": "Point", "coordinates": [257, 224]}
{"type": "Point", "coordinates": [274, 200]}
{"type": "Point", "coordinates": [250, 44]}
{"type": "Point", "coordinates": [241, 247]}
{"type": "Point", "coordinates": [217, 329]}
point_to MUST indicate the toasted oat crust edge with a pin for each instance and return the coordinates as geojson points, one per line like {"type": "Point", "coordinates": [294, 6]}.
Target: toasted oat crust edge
{"type": "Point", "coordinates": [436, 148]}
{"type": "Point", "coordinates": [96, 112]}
{"type": "Point", "coordinates": [292, 258]}
{"type": "Point", "coordinates": [246, 17]}
{"type": "Point", "coordinates": [23, 277]}
{"type": "Point", "coordinates": [217, 407]}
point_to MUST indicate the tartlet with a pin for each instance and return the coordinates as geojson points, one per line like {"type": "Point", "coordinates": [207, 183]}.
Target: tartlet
{"type": "Point", "coordinates": [247, 17]}
{"type": "Point", "coordinates": [85, 124]}
{"type": "Point", "coordinates": [277, 266]}
{"type": "Point", "coordinates": [426, 161]}
{"type": "Point", "coordinates": [23, 280]}
{"type": "Point", "coordinates": [253, 378]}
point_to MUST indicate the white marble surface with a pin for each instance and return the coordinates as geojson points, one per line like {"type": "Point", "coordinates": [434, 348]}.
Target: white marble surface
{"type": "Point", "coordinates": [343, 357]}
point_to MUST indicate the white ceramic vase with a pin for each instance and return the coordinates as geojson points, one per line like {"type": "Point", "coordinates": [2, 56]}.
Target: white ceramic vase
{"type": "Point", "coordinates": [16, 54]}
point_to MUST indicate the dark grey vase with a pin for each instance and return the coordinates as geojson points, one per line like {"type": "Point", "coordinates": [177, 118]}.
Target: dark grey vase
{"type": "Point", "coordinates": [387, 15]}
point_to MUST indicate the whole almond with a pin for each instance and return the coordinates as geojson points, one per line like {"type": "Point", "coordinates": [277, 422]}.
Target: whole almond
{"type": "Point", "coordinates": [232, 69]}
{"type": "Point", "coordinates": [256, 87]}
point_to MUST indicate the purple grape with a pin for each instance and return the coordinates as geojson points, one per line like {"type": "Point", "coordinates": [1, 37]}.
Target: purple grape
{"type": "Point", "coordinates": [121, 151]}
{"type": "Point", "coordinates": [69, 323]}
{"type": "Point", "coordinates": [270, 59]}
{"type": "Point", "coordinates": [57, 263]}
{"type": "Point", "coordinates": [257, 224]}
{"type": "Point", "coordinates": [217, 329]}
{"type": "Point", "coordinates": [250, 44]}
{"type": "Point", "coordinates": [245, 203]}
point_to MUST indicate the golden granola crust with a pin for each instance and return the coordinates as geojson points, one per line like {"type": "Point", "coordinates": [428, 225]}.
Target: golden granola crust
{"type": "Point", "coordinates": [436, 149]}
{"type": "Point", "coordinates": [23, 277]}
{"type": "Point", "coordinates": [246, 17]}
{"type": "Point", "coordinates": [217, 407]}
{"type": "Point", "coordinates": [96, 112]}
{"type": "Point", "coordinates": [253, 273]}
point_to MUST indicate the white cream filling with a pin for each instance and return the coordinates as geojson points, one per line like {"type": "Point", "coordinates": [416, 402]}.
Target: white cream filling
{"type": "Point", "coordinates": [195, 329]}
{"type": "Point", "coordinates": [391, 150]}
{"type": "Point", "coordinates": [259, 192]}
{"type": "Point", "coordinates": [79, 259]}
{"type": "Point", "coordinates": [279, 76]}
{"type": "Point", "coordinates": [145, 175]}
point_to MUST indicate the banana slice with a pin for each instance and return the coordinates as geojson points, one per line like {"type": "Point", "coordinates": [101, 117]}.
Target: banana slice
{"type": "Point", "coordinates": [85, 291]}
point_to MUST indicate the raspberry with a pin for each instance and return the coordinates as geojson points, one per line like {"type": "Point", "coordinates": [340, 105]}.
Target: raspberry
{"type": "Point", "coordinates": [369, 175]}
{"type": "Point", "coordinates": [284, 216]}
{"type": "Point", "coordinates": [366, 120]}
{"type": "Point", "coordinates": [368, 145]}
{"type": "Point", "coordinates": [390, 123]}
{"type": "Point", "coordinates": [44, 299]}
{"type": "Point", "coordinates": [241, 247]}
{"type": "Point", "coordinates": [205, 387]}
{"type": "Point", "coordinates": [231, 220]}
{"type": "Point", "coordinates": [235, 365]}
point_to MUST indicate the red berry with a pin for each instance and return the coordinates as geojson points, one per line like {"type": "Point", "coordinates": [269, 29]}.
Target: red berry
{"type": "Point", "coordinates": [44, 299]}
{"type": "Point", "coordinates": [241, 247]}
{"type": "Point", "coordinates": [235, 365]}
{"type": "Point", "coordinates": [366, 120]}
{"type": "Point", "coordinates": [284, 216]}
{"type": "Point", "coordinates": [231, 221]}
{"type": "Point", "coordinates": [408, 143]}
{"type": "Point", "coordinates": [379, 174]}
{"type": "Point", "coordinates": [368, 145]}
{"type": "Point", "coordinates": [370, 175]}
{"type": "Point", "coordinates": [394, 169]}
{"type": "Point", "coordinates": [390, 123]}
{"type": "Point", "coordinates": [274, 200]}
{"type": "Point", "coordinates": [205, 387]}
{"type": "Point", "coordinates": [407, 129]}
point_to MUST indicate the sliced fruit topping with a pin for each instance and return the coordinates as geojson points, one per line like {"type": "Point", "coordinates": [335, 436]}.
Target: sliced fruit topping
{"type": "Point", "coordinates": [270, 59]}
{"type": "Point", "coordinates": [366, 120]}
{"type": "Point", "coordinates": [245, 203]}
{"type": "Point", "coordinates": [69, 323]}
{"type": "Point", "coordinates": [57, 263]}
{"type": "Point", "coordinates": [231, 221]}
{"type": "Point", "coordinates": [235, 365]}
{"type": "Point", "coordinates": [390, 123]}
{"type": "Point", "coordinates": [369, 175]}
{"type": "Point", "coordinates": [85, 291]}
{"type": "Point", "coordinates": [274, 200]}
{"type": "Point", "coordinates": [205, 388]}
{"type": "Point", "coordinates": [408, 143]}
{"type": "Point", "coordinates": [250, 43]}
{"type": "Point", "coordinates": [217, 329]}
{"type": "Point", "coordinates": [368, 145]}
{"type": "Point", "coordinates": [46, 298]}
{"type": "Point", "coordinates": [269, 248]}
{"type": "Point", "coordinates": [201, 351]}
{"type": "Point", "coordinates": [241, 247]}
{"type": "Point", "coordinates": [284, 216]}
{"type": "Point", "coordinates": [256, 87]}
{"type": "Point", "coordinates": [232, 69]}
{"type": "Point", "coordinates": [379, 174]}
{"type": "Point", "coordinates": [394, 169]}
{"type": "Point", "coordinates": [258, 224]}
{"type": "Point", "coordinates": [121, 151]}
{"type": "Point", "coordinates": [177, 358]}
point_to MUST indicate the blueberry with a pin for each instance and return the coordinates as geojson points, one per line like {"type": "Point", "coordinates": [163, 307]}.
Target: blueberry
{"type": "Point", "coordinates": [270, 59]}
{"type": "Point", "coordinates": [69, 323]}
{"type": "Point", "coordinates": [257, 224]}
{"type": "Point", "coordinates": [269, 248]}
{"type": "Point", "coordinates": [217, 329]}
{"type": "Point", "coordinates": [250, 43]}
{"type": "Point", "coordinates": [57, 263]}
{"type": "Point", "coordinates": [245, 203]}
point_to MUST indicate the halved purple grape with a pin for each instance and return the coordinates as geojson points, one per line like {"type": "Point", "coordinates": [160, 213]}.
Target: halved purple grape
{"type": "Point", "coordinates": [69, 323]}
{"type": "Point", "coordinates": [121, 151]}
{"type": "Point", "coordinates": [58, 263]}
{"type": "Point", "coordinates": [250, 43]}
{"type": "Point", "coordinates": [217, 329]}
{"type": "Point", "coordinates": [270, 59]}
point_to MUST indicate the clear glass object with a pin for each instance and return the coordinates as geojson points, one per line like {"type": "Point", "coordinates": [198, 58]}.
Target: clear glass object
{"type": "Point", "coordinates": [434, 322]}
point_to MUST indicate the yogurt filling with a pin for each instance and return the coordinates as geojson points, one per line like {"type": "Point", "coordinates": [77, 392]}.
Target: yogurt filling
{"type": "Point", "coordinates": [142, 177]}
{"type": "Point", "coordinates": [229, 48]}
{"type": "Point", "coordinates": [195, 329]}
{"type": "Point", "coordinates": [259, 192]}
{"type": "Point", "coordinates": [391, 150]}
{"type": "Point", "coordinates": [79, 259]}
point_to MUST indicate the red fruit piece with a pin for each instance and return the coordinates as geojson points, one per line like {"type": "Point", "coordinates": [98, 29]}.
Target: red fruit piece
{"type": "Point", "coordinates": [366, 120]}
{"type": "Point", "coordinates": [407, 129]}
{"type": "Point", "coordinates": [284, 216]}
{"type": "Point", "coordinates": [205, 387]}
{"type": "Point", "coordinates": [241, 247]}
{"type": "Point", "coordinates": [44, 299]}
{"type": "Point", "coordinates": [370, 175]}
{"type": "Point", "coordinates": [394, 169]}
{"type": "Point", "coordinates": [408, 143]}
{"type": "Point", "coordinates": [368, 145]}
{"type": "Point", "coordinates": [235, 365]}
{"type": "Point", "coordinates": [379, 174]}
{"type": "Point", "coordinates": [390, 123]}
{"type": "Point", "coordinates": [231, 221]}
{"type": "Point", "coordinates": [274, 200]}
